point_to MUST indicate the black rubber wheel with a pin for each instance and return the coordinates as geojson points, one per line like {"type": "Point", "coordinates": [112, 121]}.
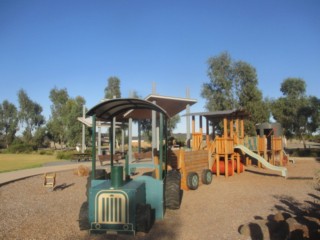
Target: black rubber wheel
{"type": "Point", "coordinates": [88, 185]}
{"type": "Point", "coordinates": [143, 218]}
{"type": "Point", "coordinates": [193, 180]}
{"type": "Point", "coordinates": [172, 194]}
{"type": "Point", "coordinates": [206, 176]}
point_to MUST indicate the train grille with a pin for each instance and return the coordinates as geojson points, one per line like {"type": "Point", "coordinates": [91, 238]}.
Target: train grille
{"type": "Point", "coordinates": [112, 208]}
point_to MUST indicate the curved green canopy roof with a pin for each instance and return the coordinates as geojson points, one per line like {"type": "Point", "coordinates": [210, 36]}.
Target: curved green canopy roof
{"type": "Point", "coordinates": [117, 107]}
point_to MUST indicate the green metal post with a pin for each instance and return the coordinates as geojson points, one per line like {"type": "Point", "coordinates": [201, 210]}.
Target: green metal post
{"type": "Point", "coordinates": [161, 146]}
{"type": "Point", "coordinates": [127, 166]}
{"type": "Point", "coordinates": [111, 143]}
{"type": "Point", "coordinates": [139, 136]}
{"type": "Point", "coordinates": [166, 145]}
{"type": "Point", "coordinates": [93, 171]}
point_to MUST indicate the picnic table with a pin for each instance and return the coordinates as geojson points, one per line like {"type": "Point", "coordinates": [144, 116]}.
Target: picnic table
{"type": "Point", "coordinates": [81, 157]}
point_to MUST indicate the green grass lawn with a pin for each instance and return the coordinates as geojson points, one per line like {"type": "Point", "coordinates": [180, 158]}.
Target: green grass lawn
{"type": "Point", "coordinates": [11, 162]}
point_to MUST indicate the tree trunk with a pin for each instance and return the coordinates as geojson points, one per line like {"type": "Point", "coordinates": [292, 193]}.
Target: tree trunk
{"type": "Point", "coordinates": [303, 141]}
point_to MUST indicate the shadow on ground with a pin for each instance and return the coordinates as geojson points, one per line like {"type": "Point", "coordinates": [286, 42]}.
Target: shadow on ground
{"type": "Point", "coordinates": [294, 220]}
{"type": "Point", "coordinates": [62, 186]}
{"type": "Point", "coordinates": [263, 173]}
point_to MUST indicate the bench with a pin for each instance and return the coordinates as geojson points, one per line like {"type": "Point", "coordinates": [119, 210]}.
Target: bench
{"type": "Point", "coordinates": [107, 158]}
{"type": "Point", "coordinates": [138, 156]}
{"type": "Point", "coordinates": [80, 157]}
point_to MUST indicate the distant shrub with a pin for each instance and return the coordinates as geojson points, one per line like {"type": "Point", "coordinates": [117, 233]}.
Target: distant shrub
{"type": "Point", "coordinates": [21, 148]}
{"type": "Point", "coordinates": [46, 152]}
{"type": "Point", "coordinates": [308, 152]}
{"type": "Point", "coordinates": [65, 155]}
{"type": "Point", "coordinates": [88, 151]}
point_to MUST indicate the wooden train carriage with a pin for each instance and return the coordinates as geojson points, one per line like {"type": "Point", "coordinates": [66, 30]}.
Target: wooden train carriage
{"type": "Point", "coordinates": [193, 166]}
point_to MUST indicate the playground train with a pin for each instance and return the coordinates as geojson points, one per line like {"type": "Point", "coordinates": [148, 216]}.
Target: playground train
{"type": "Point", "coordinates": [127, 203]}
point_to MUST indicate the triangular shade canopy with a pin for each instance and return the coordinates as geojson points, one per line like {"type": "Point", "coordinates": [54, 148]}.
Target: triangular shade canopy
{"type": "Point", "coordinates": [172, 105]}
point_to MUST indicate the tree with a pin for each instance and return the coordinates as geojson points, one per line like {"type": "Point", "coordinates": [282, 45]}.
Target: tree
{"type": "Point", "coordinates": [113, 88]}
{"type": "Point", "coordinates": [73, 110]}
{"type": "Point", "coordinates": [233, 84]}
{"type": "Point", "coordinates": [314, 123]}
{"type": "Point", "coordinates": [293, 87]}
{"type": "Point", "coordinates": [146, 128]}
{"type": "Point", "coordinates": [134, 94]}
{"type": "Point", "coordinates": [40, 137]}
{"type": "Point", "coordinates": [172, 124]}
{"type": "Point", "coordinates": [56, 125]}
{"type": "Point", "coordinates": [63, 125]}
{"type": "Point", "coordinates": [248, 96]}
{"type": "Point", "coordinates": [8, 122]}
{"type": "Point", "coordinates": [297, 113]}
{"type": "Point", "coordinates": [30, 115]}
{"type": "Point", "coordinates": [218, 91]}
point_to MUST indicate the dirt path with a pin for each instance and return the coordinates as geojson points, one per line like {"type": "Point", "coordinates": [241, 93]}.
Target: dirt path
{"type": "Point", "coordinates": [216, 211]}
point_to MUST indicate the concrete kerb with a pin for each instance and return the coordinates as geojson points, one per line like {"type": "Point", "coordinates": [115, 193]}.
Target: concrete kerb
{"type": "Point", "coordinates": [13, 176]}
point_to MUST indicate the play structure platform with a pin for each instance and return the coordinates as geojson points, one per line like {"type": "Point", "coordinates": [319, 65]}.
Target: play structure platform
{"type": "Point", "coordinates": [229, 151]}
{"type": "Point", "coordinates": [264, 162]}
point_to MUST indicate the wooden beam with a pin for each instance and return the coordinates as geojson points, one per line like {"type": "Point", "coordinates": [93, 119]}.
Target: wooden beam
{"type": "Point", "coordinates": [242, 127]}
{"type": "Point", "coordinates": [239, 141]}
{"type": "Point", "coordinates": [207, 134]}
{"type": "Point", "coordinates": [231, 128]}
{"type": "Point", "coordinates": [238, 162]}
{"type": "Point", "coordinates": [193, 124]}
{"type": "Point", "coordinates": [226, 168]}
{"type": "Point", "coordinates": [237, 132]}
{"type": "Point", "coordinates": [218, 164]}
{"type": "Point", "coordinates": [232, 137]}
{"type": "Point", "coordinates": [225, 135]}
{"type": "Point", "coordinates": [225, 127]}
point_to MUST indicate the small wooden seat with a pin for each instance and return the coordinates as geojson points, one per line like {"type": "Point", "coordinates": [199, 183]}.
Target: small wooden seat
{"type": "Point", "coordinates": [49, 180]}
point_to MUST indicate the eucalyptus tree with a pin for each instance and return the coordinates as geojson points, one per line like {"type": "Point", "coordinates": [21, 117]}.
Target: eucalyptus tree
{"type": "Point", "coordinates": [30, 115]}
{"type": "Point", "coordinates": [63, 125]}
{"type": "Point", "coordinates": [297, 112]}
{"type": "Point", "coordinates": [219, 90]}
{"type": "Point", "coordinates": [73, 110]}
{"type": "Point", "coordinates": [248, 96]}
{"type": "Point", "coordinates": [56, 125]}
{"type": "Point", "coordinates": [172, 124]}
{"type": "Point", "coordinates": [113, 88]}
{"type": "Point", "coordinates": [8, 122]}
{"type": "Point", "coordinates": [314, 123]}
{"type": "Point", "coordinates": [233, 85]}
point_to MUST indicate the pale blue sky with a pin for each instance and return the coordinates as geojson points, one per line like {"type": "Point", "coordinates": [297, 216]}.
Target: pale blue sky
{"type": "Point", "coordinates": [78, 45]}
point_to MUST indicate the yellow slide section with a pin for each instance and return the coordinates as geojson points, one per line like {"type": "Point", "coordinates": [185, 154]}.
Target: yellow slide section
{"type": "Point", "coordinates": [246, 150]}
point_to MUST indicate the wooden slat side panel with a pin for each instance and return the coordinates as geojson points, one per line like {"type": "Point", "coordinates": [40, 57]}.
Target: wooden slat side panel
{"type": "Point", "coordinates": [194, 161]}
{"type": "Point", "coordinates": [183, 171]}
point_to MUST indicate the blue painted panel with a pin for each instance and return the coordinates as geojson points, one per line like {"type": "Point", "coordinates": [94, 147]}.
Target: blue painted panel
{"type": "Point", "coordinates": [154, 194]}
{"type": "Point", "coordinates": [141, 165]}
